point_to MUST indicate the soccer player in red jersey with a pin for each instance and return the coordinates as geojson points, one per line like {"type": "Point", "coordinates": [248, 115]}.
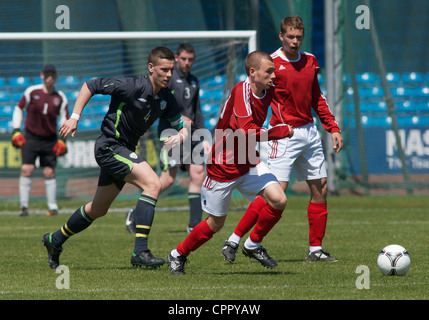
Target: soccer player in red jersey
{"type": "Point", "coordinates": [298, 89]}
{"type": "Point", "coordinates": [44, 105]}
{"type": "Point", "coordinates": [234, 164]}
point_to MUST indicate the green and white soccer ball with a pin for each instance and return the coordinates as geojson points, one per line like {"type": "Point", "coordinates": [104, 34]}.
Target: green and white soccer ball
{"type": "Point", "coordinates": [394, 260]}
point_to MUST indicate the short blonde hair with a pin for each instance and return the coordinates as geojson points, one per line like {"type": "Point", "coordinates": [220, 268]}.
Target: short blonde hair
{"type": "Point", "coordinates": [294, 22]}
{"type": "Point", "coordinates": [254, 59]}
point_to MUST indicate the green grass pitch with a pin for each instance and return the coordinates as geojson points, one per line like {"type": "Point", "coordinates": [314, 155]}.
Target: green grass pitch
{"type": "Point", "coordinates": [99, 267]}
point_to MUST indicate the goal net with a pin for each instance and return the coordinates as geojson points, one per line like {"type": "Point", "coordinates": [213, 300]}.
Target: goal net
{"type": "Point", "coordinates": [81, 56]}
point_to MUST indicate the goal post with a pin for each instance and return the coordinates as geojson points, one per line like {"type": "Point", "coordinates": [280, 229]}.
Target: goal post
{"type": "Point", "coordinates": [79, 56]}
{"type": "Point", "coordinates": [130, 35]}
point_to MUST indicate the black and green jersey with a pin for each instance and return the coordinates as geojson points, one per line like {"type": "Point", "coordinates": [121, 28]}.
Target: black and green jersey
{"type": "Point", "coordinates": [186, 90]}
{"type": "Point", "coordinates": [133, 108]}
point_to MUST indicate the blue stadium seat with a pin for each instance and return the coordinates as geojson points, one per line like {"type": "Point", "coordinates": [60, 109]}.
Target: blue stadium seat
{"type": "Point", "coordinates": [5, 125]}
{"type": "Point", "coordinates": [87, 124]}
{"type": "Point", "coordinates": [101, 98]}
{"type": "Point", "coordinates": [404, 106]}
{"type": "Point", "coordinates": [422, 92]}
{"type": "Point", "coordinates": [403, 92]}
{"type": "Point", "coordinates": [6, 111]}
{"type": "Point", "coordinates": [71, 95]}
{"type": "Point", "coordinates": [18, 83]}
{"type": "Point", "coordinates": [374, 92]}
{"type": "Point", "coordinates": [367, 78]}
{"type": "Point", "coordinates": [210, 123]}
{"type": "Point", "coordinates": [2, 82]}
{"type": "Point", "coordinates": [16, 96]}
{"type": "Point", "coordinates": [210, 109]}
{"type": "Point", "coordinates": [393, 78]}
{"type": "Point", "coordinates": [421, 106]}
{"type": "Point", "coordinates": [218, 80]}
{"type": "Point", "coordinates": [376, 121]}
{"type": "Point", "coordinates": [68, 81]}
{"type": "Point", "coordinates": [410, 121]}
{"type": "Point", "coordinates": [241, 77]}
{"type": "Point", "coordinates": [413, 78]}
{"type": "Point", "coordinates": [98, 110]}
{"type": "Point", "coordinates": [373, 107]}
{"type": "Point", "coordinates": [5, 96]}
{"type": "Point", "coordinates": [213, 94]}
{"type": "Point", "coordinates": [37, 80]}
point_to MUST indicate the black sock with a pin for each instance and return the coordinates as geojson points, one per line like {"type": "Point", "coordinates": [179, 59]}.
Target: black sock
{"type": "Point", "coordinates": [145, 211]}
{"type": "Point", "coordinates": [78, 222]}
{"type": "Point", "coordinates": [195, 210]}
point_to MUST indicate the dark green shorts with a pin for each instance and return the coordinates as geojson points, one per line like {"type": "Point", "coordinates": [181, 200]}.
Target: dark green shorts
{"type": "Point", "coordinates": [115, 160]}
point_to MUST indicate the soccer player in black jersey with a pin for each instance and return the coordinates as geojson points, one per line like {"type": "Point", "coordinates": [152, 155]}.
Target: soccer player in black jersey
{"type": "Point", "coordinates": [186, 89]}
{"type": "Point", "coordinates": [136, 103]}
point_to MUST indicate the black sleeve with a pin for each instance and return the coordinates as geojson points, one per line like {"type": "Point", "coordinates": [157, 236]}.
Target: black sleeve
{"type": "Point", "coordinates": [124, 87]}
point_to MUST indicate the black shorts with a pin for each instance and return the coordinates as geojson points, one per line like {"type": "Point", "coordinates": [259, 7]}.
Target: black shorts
{"type": "Point", "coordinates": [41, 147]}
{"type": "Point", "coordinates": [115, 160]}
{"type": "Point", "coordinates": [181, 157]}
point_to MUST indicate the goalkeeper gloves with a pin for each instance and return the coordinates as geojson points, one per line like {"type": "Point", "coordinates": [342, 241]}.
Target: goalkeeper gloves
{"type": "Point", "coordinates": [60, 148]}
{"type": "Point", "coordinates": [18, 139]}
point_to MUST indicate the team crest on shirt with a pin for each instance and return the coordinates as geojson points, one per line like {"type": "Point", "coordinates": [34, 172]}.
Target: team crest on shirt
{"type": "Point", "coordinates": [163, 104]}
{"type": "Point", "coordinates": [57, 101]}
{"type": "Point", "coordinates": [133, 155]}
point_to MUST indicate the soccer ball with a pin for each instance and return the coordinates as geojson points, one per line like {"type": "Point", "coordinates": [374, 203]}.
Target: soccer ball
{"type": "Point", "coordinates": [394, 260]}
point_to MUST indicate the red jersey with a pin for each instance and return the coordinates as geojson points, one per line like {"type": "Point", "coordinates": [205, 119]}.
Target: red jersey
{"type": "Point", "coordinates": [43, 109]}
{"type": "Point", "coordinates": [237, 132]}
{"type": "Point", "coordinates": [298, 90]}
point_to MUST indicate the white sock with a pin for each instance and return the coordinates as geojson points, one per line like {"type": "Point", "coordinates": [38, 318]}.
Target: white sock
{"type": "Point", "coordinates": [51, 193]}
{"type": "Point", "coordinates": [234, 238]}
{"type": "Point", "coordinates": [174, 253]}
{"type": "Point", "coordinates": [249, 244]}
{"type": "Point", "coordinates": [24, 190]}
{"type": "Point", "coordinates": [315, 248]}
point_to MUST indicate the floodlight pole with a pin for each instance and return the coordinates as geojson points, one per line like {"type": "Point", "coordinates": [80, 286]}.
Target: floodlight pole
{"type": "Point", "coordinates": [330, 58]}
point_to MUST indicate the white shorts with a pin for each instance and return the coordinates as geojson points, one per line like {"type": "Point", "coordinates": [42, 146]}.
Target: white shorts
{"type": "Point", "coordinates": [302, 154]}
{"type": "Point", "coordinates": [216, 196]}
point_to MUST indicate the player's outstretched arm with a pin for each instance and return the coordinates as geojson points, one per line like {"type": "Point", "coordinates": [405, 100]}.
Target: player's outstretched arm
{"type": "Point", "coordinates": [70, 126]}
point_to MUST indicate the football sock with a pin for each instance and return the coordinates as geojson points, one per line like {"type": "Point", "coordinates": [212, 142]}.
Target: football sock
{"type": "Point", "coordinates": [145, 211]}
{"type": "Point", "coordinates": [234, 238]}
{"type": "Point", "coordinates": [198, 236]}
{"type": "Point", "coordinates": [317, 217]}
{"type": "Point", "coordinates": [78, 222]}
{"type": "Point", "coordinates": [195, 210]}
{"type": "Point", "coordinates": [268, 217]}
{"type": "Point", "coordinates": [24, 190]}
{"type": "Point", "coordinates": [51, 193]}
{"type": "Point", "coordinates": [314, 248]}
{"type": "Point", "coordinates": [250, 217]}
{"type": "Point", "coordinates": [249, 244]}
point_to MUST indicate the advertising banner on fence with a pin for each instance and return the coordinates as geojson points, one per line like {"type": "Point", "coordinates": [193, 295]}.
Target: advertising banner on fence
{"type": "Point", "coordinates": [381, 151]}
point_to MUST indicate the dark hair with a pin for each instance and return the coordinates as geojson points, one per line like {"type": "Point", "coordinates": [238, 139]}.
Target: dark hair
{"type": "Point", "coordinates": [185, 47]}
{"type": "Point", "coordinates": [253, 60]}
{"type": "Point", "coordinates": [294, 22]}
{"type": "Point", "coordinates": [159, 53]}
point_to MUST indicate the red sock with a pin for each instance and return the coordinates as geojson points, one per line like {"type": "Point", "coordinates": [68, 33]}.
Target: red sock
{"type": "Point", "coordinates": [268, 217]}
{"type": "Point", "coordinates": [250, 217]}
{"type": "Point", "coordinates": [198, 236]}
{"type": "Point", "coordinates": [317, 216]}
